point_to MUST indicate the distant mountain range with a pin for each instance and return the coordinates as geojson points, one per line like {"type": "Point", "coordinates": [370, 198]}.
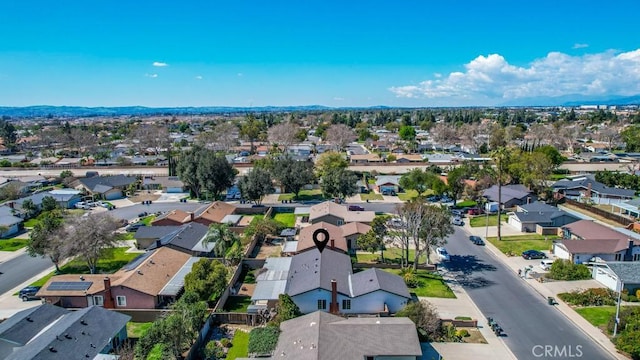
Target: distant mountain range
{"type": "Point", "coordinates": [81, 111]}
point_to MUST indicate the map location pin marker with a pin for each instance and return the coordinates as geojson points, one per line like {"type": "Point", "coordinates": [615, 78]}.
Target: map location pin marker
{"type": "Point", "coordinates": [321, 240]}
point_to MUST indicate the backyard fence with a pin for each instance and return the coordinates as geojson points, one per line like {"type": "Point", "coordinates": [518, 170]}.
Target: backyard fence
{"type": "Point", "coordinates": [625, 221]}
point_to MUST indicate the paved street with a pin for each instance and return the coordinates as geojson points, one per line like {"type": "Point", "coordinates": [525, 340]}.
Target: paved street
{"type": "Point", "coordinates": [15, 271]}
{"type": "Point", "coordinates": [132, 211]}
{"type": "Point", "coordinates": [530, 324]}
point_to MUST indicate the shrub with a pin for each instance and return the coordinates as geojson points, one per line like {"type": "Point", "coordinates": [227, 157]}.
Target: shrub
{"type": "Point", "coordinates": [638, 293]}
{"type": "Point", "coordinates": [262, 341]}
{"type": "Point", "coordinates": [225, 342]}
{"type": "Point", "coordinates": [410, 278]}
{"type": "Point", "coordinates": [567, 270]}
{"type": "Point", "coordinates": [589, 297]}
{"type": "Point", "coordinates": [462, 333]}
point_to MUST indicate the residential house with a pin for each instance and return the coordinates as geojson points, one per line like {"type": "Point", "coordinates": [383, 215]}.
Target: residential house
{"type": "Point", "coordinates": [323, 336]}
{"type": "Point", "coordinates": [351, 231]}
{"type": "Point", "coordinates": [10, 224]}
{"type": "Point", "coordinates": [365, 158]}
{"type": "Point", "coordinates": [168, 184]}
{"type": "Point", "coordinates": [188, 238]}
{"type": "Point", "coordinates": [512, 195]}
{"type": "Point", "coordinates": [586, 188]}
{"type": "Point", "coordinates": [586, 241]}
{"type": "Point", "coordinates": [271, 281]}
{"type": "Point", "coordinates": [336, 239]}
{"type": "Point", "coordinates": [107, 187]}
{"type": "Point", "coordinates": [138, 285]}
{"type": "Point", "coordinates": [630, 208]}
{"type": "Point", "coordinates": [388, 183]}
{"type": "Point", "coordinates": [409, 158]}
{"type": "Point", "coordinates": [618, 275]}
{"type": "Point", "coordinates": [531, 217]}
{"type": "Point", "coordinates": [146, 236]}
{"type": "Point", "coordinates": [215, 213]}
{"type": "Point", "coordinates": [338, 215]}
{"type": "Point", "coordinates": [319, 279]}
{"type": "Point", "coordinates": [175, 217]}
{"type": "Point", "coordinates": [65, 198]}
{"type": "Point", "coordinates": [50, 332]}
{"type": "Point", "coordinates": [439, 158]}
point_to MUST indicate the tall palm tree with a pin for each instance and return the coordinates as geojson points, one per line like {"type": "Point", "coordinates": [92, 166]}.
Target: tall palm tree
{"type": "Point", "coordinates": [221, 237]}
{"type": "Point", "coordinates": [500, 158]}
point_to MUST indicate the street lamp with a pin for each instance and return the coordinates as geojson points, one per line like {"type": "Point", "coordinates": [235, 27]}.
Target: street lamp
{"type": "Point", "coordinates": [617, 319]}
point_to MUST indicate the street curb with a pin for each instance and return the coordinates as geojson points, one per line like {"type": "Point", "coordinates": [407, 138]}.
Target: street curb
{"type": "Point", "coordinates": [499, 255]}
{"type": "Point", "coordinates": [12, 254]}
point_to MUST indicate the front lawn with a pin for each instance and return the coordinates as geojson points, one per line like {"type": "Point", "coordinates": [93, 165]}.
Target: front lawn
{"type": "Point", "coordinates": [478, 221]}
{"type": "Point", "coordinates": [304, 195]}
{"type": "Point", "coordinates": [467, 203]}
{"type": "Point", "coordinates": [237, 304]}
{"type": "Point", "coordinates": [598, 316]}
{"type": "Point", "coordinates": [371, 196]}
{"type": "Point", "coordinates": [391, 255]}
{"type": "Point", "coordinates": [288, 219]}
{"type": "Point", "coordinates": [239, 345]}
{"type": "Point", "coordinates": [137, 329]}
{"type": "Point", "coordinates": [411, 194]}
{"type": "Point", "coordinates": [515, 245]}
{"type": "Point", "coordinates": [13, 244]}
{"type": "Point", "coordinates": [430, 285]}
{"type": "Point", "coordinates": [111, 261]}
{"type": "Point", "coordinates": [147, 220]}
{"type": "Point", "coordinates": [31, 223]}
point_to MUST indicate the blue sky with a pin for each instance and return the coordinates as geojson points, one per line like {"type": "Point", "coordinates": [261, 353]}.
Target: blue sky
{"type": "Point", "coordinates": [334, 53]}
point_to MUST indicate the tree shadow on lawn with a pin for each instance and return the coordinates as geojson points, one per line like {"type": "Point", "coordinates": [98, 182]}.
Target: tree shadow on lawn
{"type": "Point", "coordinates": [464, 267]}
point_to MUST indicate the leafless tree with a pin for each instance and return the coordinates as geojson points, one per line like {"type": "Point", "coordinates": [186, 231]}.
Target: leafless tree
{"type": "Point", "coordinates": [610, 135]}
{"type": "Point", "coordinates": [283, 134]}
{"type": "Point", "coordinates": [473, 135]}
{"type": "Point", "coordinates": [89, 235]}
{"type": "Point", "coordinates": [152, 137]}
{"type": "Point", "coordinates": [223, 137]}
{"type": "Point", "coordinates": [444, 134]}
{"type": "Point", "coordinates": [539, 133]}
{"type": "Point", "coordinates": [340, 135]}
{"type": "Point", "coordinates": [568, 135]}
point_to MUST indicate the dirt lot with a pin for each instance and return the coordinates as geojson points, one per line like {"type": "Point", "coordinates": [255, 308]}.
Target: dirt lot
{"type": "Point", "coordinates": [267, 251]}
{"type": "Point", "coordinates": [141, 196]}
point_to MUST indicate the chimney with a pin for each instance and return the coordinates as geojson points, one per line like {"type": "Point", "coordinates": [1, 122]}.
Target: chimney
{"type": "Point", "coordinates": [108, 299]}
{"type": "Point", "coordinates": [628, 254]}
{"type": "Point", "coordinates": [193, 216]}
{"type": "Point", "coordinates": [332, 244]}
{"type": "Point", "coordinates": [333, 307]}
{"type": "Point", "coordinates": [158, 243]}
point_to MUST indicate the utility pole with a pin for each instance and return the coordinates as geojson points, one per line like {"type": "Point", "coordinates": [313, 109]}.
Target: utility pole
{"type": "Point", "coordinates": [617, 319]}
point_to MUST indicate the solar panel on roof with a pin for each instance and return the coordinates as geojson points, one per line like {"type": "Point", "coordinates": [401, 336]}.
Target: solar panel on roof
{"type": "Point", "coordinates": [69, 285]}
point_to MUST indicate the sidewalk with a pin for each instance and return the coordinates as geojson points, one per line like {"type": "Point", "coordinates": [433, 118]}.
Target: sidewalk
{"type": "Point", "coordinates": [544, 290]}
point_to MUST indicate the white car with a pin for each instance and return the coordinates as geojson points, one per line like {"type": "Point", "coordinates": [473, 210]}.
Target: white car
{"type": "Point", "coordinates": [442, 254]}
{"type": "Point", "coordinates": [457, 221]}
{"type": "Point", "coordinates": [82, 205]}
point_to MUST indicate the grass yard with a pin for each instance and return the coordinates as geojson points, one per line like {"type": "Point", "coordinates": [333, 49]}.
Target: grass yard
{"type": "Point", "coordinates": [515, 245]}
{"type": "Point", "coordinates": [111, 261]}
{"type": "Point", "coordinates": [467, 203]}
{"type": "Point", "coordinates": [288, 219]}
{"type": "Point", "coordinates": [237, 304]}
{"type": "Point", "coordinates": [240, 345]}
{"type": "Point", "coordinates": [598, 316]}
{"type": "Point", "coordinates": [305, 195]}
{"type": "Point", "coordinates": [137, 329]}
{"type": "Point", "coordinates": [371, 196]}
{"type": "Point", "coordinates": [31, 223]}
{"type": "Point", "coordinates": [411, 194]}
{"type": "Point", "coordinates": [391, 255]}
{"type": "Point", "coordinates": [148, 219]}
{"type": "Point", "coordinates": [478, 221]}
{"type": "Point", "coordinates": [431, 285]}
{"type": "Point", "coordinates": [12, 244]}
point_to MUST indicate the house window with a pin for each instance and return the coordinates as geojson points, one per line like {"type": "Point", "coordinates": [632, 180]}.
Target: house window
{"type": "Point", "coordinates": [618, 257]}
{"type": "Point", "coordinates": [322, 304]}
{"type": "Point", "coordinates": [340, 222]}
{"type": "Point", "coordinates": [636, 257]}
{"type": "Point", "coordinates": [98, 300]}
{"type": "Point", "coordinates": [121, 301]}
{"type": "Point", "coordinates": [346, 304]}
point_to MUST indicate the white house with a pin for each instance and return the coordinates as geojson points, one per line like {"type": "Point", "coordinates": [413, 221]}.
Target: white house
{"type": "Point", "coordinates": [616, 274]}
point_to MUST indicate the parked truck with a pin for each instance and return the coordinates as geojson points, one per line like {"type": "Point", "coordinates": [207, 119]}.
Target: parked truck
{"type": "Point", "coordinates": [491, 207]}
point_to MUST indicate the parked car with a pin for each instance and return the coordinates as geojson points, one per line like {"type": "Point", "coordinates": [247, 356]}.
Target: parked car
{"type": "Point", "coordinates": [457, 213]}
{"type": "Point", "coordinates": [433, 198]}
{"type": "Point", "coordinates": [476, 240]}
{"type": "Point", "coordinates": [82, 205]}
{"type": "Point", "coordinates": [134, 227]}
{"type": "Point", "coordinates": [546, 264]}
{"type": "Point", "coordinates": [389, 192]}
{"type": "Point", "coordinates": [29, 293]}
{"type": "Point", "coordinates": [533, 254]}
{"type": "Point", "coordinates": [396, 223]}
{"type": "Point", "coordinates": [457, 221]}
{"type": "Point", "coordinates": [143, 214]}
{"type": "Point", "coordinates": [442, 254]}
{"type": "Point", "coordinates": [355, 208]}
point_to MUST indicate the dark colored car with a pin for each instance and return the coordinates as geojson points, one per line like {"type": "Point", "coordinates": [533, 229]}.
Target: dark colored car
{"type": "Point", "coordinates": [433, 198]}
{"type": "Point", "coordinates": [29, 293]}
{"type": "Point", "coordinates": [476, 240]}
{"type": "Point", "coordinates": [533, 254]}
{"type": "Point", "coordinates": [143, 214]}
{"type": "Point", "coordinates": [355, 208]}
{"type": "Point", "coordinates": [134, 227]}
{"type": "Point", "coordinates": [457, 212]}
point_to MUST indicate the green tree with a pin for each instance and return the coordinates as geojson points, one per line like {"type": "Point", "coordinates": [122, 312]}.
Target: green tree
{"type": "Point", "coordinates": [370, 242]}
{"type": "Point", "coordinates": [8, 134]}
{"type": "Point", "coordinates": [329, 161]}
{"type": "Point", "coordinates": [631, 138]}
{"type": "Point", "coordinates": [426, 318]}
{"type": "Point", "coordinates": [65, 174]}
{"type": "Point", "coordinates": [251, 129]}
{"type": "Point", "coordinates": [407, 133]}
{"type": "Point", "coordinates": [551, 153]}
{"type": "Point", "coordinates": [456, 181]}
{"type": "Point", "coordinates": [207, 279]}
{"type": "Point", "coordinates": [29, 207]}
{"type": "Point", "coordinates": [47, 239]}
{"type": "Point", "coordinates": [256, 184]}
{"type": "Point", "coordinates": [501, 159]}
{"type": "Point", "coordinates": [221, 237]}
{"type": "Point", "coordinates": [293, 175]}
{"type": "Point", "coordinates": [339, 183]}
{"type": "Point", "coordinates": [286, 309]}
{"type": "Point", "coordinates": [215, 173]}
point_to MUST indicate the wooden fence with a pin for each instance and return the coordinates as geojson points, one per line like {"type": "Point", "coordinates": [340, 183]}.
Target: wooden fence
{"type": "Point", "coordinates": [623, 220]}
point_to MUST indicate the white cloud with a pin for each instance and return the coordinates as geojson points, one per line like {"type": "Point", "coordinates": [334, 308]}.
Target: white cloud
{"type": "Point", "coordinates": [580, 46]}
{"type": "Point", "coordinates": [151, 75]}
{"type": "Point", "coordinates": [199, 77]}
{"type": "Point", "coordinates": [492, 80]}
{"type": "Point", "coordinates": [159, 64]}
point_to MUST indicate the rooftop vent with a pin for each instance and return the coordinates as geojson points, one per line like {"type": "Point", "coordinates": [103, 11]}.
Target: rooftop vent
{"type": "Point", "coordinates": [83, 322]}
{"type": "Point", "coordinates": [81, 278]}
{"type": "Point", "coordinates": [52, 349]}
{"type": "Point", "coordinates": [29, 319]}
{"type": "Point", "coordinates": [68, 336]}
{"type": "Point", "coordinates": [139, 272]}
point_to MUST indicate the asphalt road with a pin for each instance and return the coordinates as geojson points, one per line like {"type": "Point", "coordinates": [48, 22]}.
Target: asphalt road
{"type": "Point", "coordinates": [131, 212]}
{"type": "Point", "coordinates": [15, 271]}
{"type": "Point", "coordinates": [529, 323]}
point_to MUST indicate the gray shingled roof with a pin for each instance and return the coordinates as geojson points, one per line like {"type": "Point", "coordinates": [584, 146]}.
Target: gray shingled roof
{"type": "Point", "coordinates": [323, 336]}
{"type": "Point", "coordinates": [154, 232]}
{"type": "Point", "coordinates": [374, 279]}
{"type": "Point", "coordinates": [627, 271]}
{"type": "Point", "coordinates": [24, 325]}
{"type": "Point", "coordinates": [596, 187]}
{"type": "Point", "coordinates": [312, 270]}
{"type": "Point", "coordinates": [99, 183]}
{"type": "Point", "coordinates": [538, 206]}
{"type": "Point", "coordinates": [187, 236]}
{"type": "Point", "coordinates": [509, 192]}
{"type": "Point", "coordinates": [79, 334]}
{"type": "Point", "coordinates": [540, 217]}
